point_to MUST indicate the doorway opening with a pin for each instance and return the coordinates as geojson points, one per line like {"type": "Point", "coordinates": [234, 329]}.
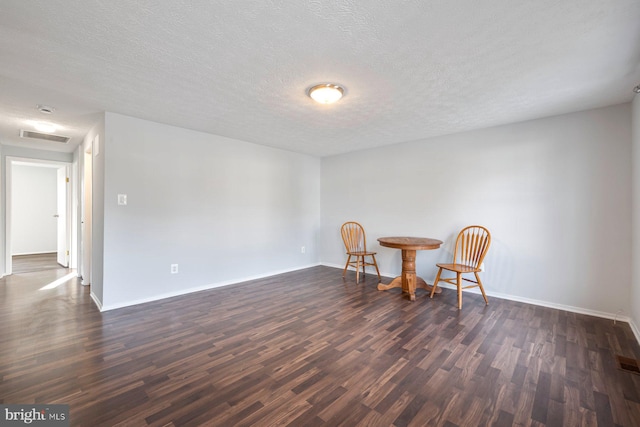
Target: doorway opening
{"type": "Point", "coordinates": [39, 218]}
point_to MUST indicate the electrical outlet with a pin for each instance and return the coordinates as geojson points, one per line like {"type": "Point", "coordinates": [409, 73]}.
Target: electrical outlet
{"type": "Point", "coordinates": [303, 250]}
{"type": "Point", "coordinates": [122, 199]}
{"type": "Point", "coordinates": [174, 268]}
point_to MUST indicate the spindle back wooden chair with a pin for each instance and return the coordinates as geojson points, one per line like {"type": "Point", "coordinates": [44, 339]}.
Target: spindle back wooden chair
{"type": "Point", "coordinates": [355, 242]}
{"type": "Point", "coordinates": [472, 245]}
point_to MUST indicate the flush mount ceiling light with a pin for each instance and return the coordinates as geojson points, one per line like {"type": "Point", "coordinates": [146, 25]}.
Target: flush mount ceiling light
{"type": "Point", "coordinates": [326, 93]}
{"type": "Point", "coordinates": [43, 126]}
{"type": "Point", "coordinates": [636, 89]}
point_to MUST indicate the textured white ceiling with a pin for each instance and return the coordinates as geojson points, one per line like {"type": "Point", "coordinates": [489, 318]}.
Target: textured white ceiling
{"type": "Point", "coordinates": [412, 69]}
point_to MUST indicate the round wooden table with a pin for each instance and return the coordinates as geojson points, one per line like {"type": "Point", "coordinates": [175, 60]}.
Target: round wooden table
{"type": "Point", "coordinates": [408, 280]}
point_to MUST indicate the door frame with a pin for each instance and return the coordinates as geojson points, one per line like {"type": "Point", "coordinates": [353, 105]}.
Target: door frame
{"type": "Point", "coordinates": [10, 161]}
{"type": "Point", "coordinates": [85, 213]}
{"type": "Point", "coordinates": [63, 237]}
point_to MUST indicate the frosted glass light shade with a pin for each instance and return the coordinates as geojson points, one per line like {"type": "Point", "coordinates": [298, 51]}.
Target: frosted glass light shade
{"type": "Point", "coordinates": [44, 127]}
{"type": "Point", "coordinates": [326, 93]}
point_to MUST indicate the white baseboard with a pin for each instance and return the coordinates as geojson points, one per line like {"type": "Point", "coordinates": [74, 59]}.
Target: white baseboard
{"type": "Point", "coordinates": [96, 301]}
{"type": "Point", "coordinates": [635, 329]}
{"type": "Point", "coordinates": [541, 303]}
{"type": "Point", "coordinates": [202, 288]}
{"type": "Point", "coordinates": [572, 309]}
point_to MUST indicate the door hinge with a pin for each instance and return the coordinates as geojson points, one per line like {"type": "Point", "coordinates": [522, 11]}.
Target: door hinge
{"type": "Point", "coordinates": [67, 179]}
{"type": "Point", "coordinates": [67, 253]}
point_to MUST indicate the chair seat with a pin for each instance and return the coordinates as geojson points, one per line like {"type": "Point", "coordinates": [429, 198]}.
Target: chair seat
{"type": "Point", "coordinates": [361, 253]}
{"type": "Point", "coordinates": [459, 268]}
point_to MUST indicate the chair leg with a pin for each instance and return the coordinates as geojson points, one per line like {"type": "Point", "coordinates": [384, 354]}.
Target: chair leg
{"type": "Point", "coordinates": [346, 266]}
{"type": "Point", "coordinates": [358, 257]}
{"type": "Point", "coordinates": [459, 281]}
{"type": "Point", "coordinates": [375, 264]}
{"type": "Point", "coordinates": [435, 283]}
{"type": "Point", "coordinates": [486, 301]}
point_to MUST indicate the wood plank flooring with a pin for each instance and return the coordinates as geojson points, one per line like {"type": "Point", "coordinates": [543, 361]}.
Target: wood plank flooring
{"type": "Point", "coordinates": [311, 349]}
{"type": "Point", "coordinates": [38, 262]}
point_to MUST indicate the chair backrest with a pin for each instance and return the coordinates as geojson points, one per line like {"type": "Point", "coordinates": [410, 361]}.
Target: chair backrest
{"type": "Point", "coordinates": [353, 237]}
{"type": "Point", "coordinates": [472, 245]}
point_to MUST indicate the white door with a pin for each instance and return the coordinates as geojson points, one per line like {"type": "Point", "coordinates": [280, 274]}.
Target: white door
{"type": "Point", "coordinates": [63, 244]}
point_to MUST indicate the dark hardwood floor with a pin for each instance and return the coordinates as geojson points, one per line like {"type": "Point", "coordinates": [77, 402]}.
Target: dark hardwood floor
{"type": "Point", "coordinates": [309, 349]}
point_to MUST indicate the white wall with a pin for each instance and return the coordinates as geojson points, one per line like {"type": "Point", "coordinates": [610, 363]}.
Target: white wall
{"type": "Point", "coordinates": [635, 262]}
{"type": "Point", "coordinates": [223, 209]}
{"type": "Point", "coordinates": [554, 192]}
{"type": "Point", "coordinates": [34, 193]}
{"type": "Point", "coordinates": [3, 228]}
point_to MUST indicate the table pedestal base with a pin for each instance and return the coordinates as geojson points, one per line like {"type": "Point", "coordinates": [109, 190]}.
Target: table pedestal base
{"type": "Point", "coordinates": [408, 281]}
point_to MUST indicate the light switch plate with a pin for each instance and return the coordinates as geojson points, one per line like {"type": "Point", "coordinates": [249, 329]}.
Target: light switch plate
{"type": "Point", "coordinates": [122, 199]}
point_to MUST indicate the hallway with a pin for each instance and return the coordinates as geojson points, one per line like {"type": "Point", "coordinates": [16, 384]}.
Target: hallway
{"type": "Point", "coordinates": [37, 262]}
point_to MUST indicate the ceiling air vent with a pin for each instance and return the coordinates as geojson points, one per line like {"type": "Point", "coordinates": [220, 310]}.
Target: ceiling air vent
{"type": "Point", "coordinates": [45, 136]}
